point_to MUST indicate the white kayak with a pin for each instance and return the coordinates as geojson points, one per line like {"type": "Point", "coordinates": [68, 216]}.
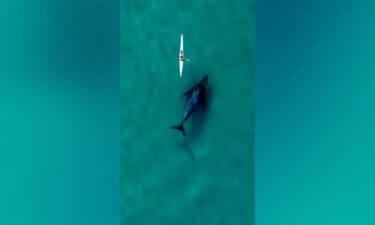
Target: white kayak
{"type": "Point", "coordinates": [181, 59]}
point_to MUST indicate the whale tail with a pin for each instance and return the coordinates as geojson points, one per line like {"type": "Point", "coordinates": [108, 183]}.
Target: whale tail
{"type": "Point", "coordinates": [180, 128]}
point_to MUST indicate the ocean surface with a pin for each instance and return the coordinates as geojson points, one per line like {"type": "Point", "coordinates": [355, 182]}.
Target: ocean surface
{"type": "Point", "coordinates": [315, 110]}
{"type": "Point", "coordinates": [206, 177]}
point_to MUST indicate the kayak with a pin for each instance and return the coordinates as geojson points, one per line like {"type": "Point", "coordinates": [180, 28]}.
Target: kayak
{"type": "Point", "coordinates": [181, 53]}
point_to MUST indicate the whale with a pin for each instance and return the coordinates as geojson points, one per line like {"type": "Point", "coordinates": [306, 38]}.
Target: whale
{"type": "Point", "coordinates": [195, 97]}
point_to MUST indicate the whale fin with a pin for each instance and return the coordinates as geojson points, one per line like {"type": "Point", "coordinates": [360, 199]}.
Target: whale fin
{"type": "Point", "coordinates": [188, 92]}
{"type": "Point", "coordinates": [180, 128]}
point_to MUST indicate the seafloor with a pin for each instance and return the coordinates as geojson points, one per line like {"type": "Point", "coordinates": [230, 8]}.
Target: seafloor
{"type": "Point", "coordinates": [206, 177]}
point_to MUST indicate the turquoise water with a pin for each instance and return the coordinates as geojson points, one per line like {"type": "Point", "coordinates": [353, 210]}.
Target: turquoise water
{"type": "Point", "coordinates": [59, 116]}
{"type": "Point", "coordinates": [206, 177]}
{"type": "Point", "coordinates": [315, 113]}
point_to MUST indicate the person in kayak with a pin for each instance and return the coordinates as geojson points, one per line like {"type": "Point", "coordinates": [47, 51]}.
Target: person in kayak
{"type": "Point", "coordinates": [182, 58]}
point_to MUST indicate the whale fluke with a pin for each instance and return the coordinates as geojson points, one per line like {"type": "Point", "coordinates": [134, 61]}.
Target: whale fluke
{"type": "Point", "coordinates": [180, 128]}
